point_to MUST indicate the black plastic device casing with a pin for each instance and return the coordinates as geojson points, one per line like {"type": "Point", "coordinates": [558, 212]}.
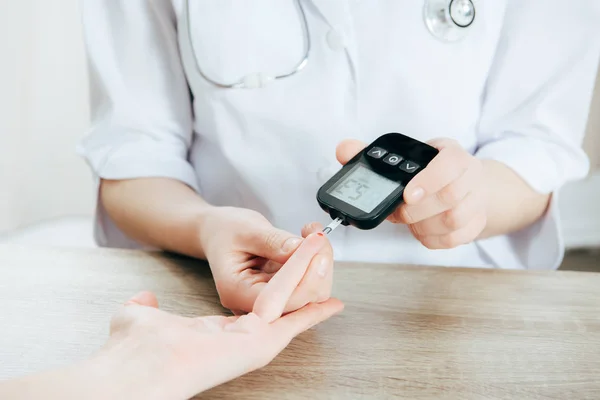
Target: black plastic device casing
{"type": "Point", "coordinates": [396, 143]}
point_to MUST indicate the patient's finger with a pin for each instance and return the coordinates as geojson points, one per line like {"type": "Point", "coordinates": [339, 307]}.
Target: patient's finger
{"type": "Point", "coordinates": [305, 318]}
{"type": "Point", "coordinates": [147, 299]}
{"type": "Point", "coordinates": [316, 284]}
{"type": "Point", "coordinates": [272, 299]}
{"type": "Point", "coordinates": [313, 227]}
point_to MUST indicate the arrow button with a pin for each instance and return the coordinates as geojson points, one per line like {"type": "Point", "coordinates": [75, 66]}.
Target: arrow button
{"type": "Point", "coordinates": [377, 152]}
{"type": "Point", "coordinates": [409, 166]}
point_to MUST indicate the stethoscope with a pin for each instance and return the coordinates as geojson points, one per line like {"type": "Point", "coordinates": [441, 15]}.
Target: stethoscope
{"type": "Point", "coordinates": [447, 20]}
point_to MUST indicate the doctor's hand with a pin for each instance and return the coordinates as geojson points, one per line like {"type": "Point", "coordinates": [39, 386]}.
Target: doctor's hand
{"type": "Point", "coordinates": [245, 251]}
{"type": "Point", "coordinates": [444, 204]}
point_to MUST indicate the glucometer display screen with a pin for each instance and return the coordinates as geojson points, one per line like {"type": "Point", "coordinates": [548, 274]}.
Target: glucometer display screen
{"type": "Point", "coordinates": [363, 188]}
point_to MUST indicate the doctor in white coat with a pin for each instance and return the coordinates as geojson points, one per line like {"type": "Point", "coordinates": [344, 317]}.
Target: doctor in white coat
{"type": "Point", "coordinates": [215, 122]}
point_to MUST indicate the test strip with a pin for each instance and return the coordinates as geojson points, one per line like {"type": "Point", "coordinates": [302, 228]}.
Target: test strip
{"type": "Point", "coordinates": [334, 224]}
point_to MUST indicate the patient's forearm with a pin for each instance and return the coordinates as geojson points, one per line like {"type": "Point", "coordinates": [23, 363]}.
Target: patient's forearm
{"type": "Point", "coordinates": [110, 374]}
{"type": "Point", "coordinates": [87, 380]}
{"type": "Point", "coordinates": [511, 203]}
{"type": "Point", "coordinates": [159, 212]}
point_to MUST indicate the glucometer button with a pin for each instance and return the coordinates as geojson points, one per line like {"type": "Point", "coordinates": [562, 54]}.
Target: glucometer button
{"type": "Point", "coordinates": [409, 166]}
{"type": "Point", "coordinates": [392, 159]}
{"type": "Point", "coordinates": [377, 152]}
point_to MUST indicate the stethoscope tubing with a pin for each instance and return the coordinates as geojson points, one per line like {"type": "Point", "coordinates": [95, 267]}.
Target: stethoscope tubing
{"type": "Point", "coordinates": [259, 79]}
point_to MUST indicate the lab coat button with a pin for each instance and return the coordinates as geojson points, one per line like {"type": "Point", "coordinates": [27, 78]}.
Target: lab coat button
{"type": "Point", "coordinates": [335, 41]}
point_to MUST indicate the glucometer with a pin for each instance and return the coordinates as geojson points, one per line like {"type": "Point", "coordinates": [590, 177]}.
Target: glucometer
{"type": "Point", "coordinates": [371, 185]}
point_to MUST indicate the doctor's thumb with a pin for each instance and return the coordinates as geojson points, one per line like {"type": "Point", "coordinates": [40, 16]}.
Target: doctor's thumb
{"type": "Point", "coordinates": [347, 149]}
{"type": "Point", "coordinates": [275, 244]}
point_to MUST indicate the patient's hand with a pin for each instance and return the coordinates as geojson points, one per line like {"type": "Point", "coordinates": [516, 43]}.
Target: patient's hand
{"type": "Point", "coordinates": [188, 355]}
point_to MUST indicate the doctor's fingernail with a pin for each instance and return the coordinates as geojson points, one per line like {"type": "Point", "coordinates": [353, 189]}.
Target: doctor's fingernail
{"type": "Point", "coordinates": [323, 267]}
{"type": "Point", "coordinates": [417, 194]}
{"type": "Point", "coordinates": [291, 244]}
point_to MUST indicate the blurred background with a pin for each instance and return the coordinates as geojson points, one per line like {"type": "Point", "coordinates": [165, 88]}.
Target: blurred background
{"type": "Point", "coordinates": [46, 193]}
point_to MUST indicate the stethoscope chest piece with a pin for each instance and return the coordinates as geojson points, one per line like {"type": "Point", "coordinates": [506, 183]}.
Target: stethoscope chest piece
{"type": "Point", "coordinates": [449, 20]}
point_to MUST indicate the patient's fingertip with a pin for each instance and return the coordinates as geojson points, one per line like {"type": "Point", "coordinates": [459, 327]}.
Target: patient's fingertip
{"type": "Point", "coordinates": [317, 236]}
{"type": "Point", "coordinates": [144, 298]}
{"type": "Point", "coordinates": [311, 228]}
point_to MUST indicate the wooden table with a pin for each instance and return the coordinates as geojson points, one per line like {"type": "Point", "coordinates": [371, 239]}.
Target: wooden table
{"type": "Point", "coordinates": [407, 332]}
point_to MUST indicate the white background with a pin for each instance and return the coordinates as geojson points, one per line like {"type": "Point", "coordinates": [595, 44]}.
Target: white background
{"type": "Point", "coordinates": [44, 112]}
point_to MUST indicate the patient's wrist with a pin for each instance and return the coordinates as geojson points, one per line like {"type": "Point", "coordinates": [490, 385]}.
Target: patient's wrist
{"type": "Point", "coordinates": [124, 370]}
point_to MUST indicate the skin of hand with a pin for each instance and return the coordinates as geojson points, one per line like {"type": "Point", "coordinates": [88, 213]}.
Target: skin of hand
{"type": "Point", "coordinates": [245, 251]}
{"type": "Point", "coordinates": [459, 198]}
{"type": "Point", "coordinates": [152, 354]}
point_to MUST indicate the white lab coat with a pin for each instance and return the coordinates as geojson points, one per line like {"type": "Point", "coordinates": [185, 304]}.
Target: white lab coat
{"type": "Point", "coordinates": [517, 89]}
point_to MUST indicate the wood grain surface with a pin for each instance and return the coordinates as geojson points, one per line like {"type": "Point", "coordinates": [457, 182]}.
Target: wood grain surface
{"type": "Point", "coordinates": [407, 332]}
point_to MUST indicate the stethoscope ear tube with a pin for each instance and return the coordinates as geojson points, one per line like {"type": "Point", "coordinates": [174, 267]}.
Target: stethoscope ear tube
{"type": "Point", "coordinates": [447, 20]}
{"type": "Point", "coordinates": [252, 80]}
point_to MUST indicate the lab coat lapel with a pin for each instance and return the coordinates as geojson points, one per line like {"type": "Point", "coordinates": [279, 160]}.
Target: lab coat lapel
{"type": "Point", "coordinates": [337, 15]}
{"type": "Point", "coordinates": [334, 12]}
